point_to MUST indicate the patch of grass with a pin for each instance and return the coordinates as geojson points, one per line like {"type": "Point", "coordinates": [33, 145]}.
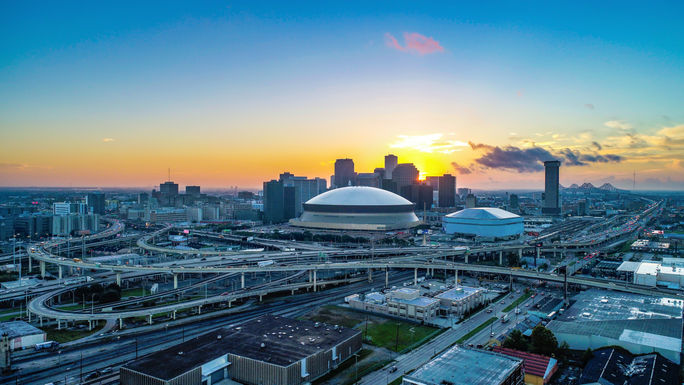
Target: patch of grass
{"type": "Point", "coordinates": [9, 317]}
{"type": "Point", "coordinates": [66, 335]}
{"type": "Point", "coordinates": [395, 335]}
{"type": "Point", "coordinates": [336, 315]}
{"type": "Point", "coordinates": [476, 330]}
{"type": "Point", "coordinates": [363, 353]}
{"type": "Point", "coordinates": [136, 292]}
{"type": "Point", "coordinates": [398, 381]}
{"type": "Point", "coordinates": [517, 302]}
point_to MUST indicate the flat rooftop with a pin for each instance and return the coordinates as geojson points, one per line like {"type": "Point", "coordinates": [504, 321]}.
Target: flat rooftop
{"type": "Point", "coordinates": [465, 366]}
{"type": "Point", "coordinates": [633, 318]}
{"type": "Point", "coordinates": [459, 293]}
{"type": "Point", "coordinates": [16, 329]}
{"type": "Point", "coordinates": [620, 367]}
{"type": "Point", "coordinates": [285, 341]}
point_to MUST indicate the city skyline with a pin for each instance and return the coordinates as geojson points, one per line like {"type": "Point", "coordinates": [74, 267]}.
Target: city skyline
{"type": "Point", "coordinates": [235, 94]}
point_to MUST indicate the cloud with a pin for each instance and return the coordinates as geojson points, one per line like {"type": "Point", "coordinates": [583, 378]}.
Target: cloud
{"type": "Point", "coordinates": [107, 140]}
{"type": "Point", "coordinates": [589, 106]}
{"type": "Point", "coordinates": [597, 145]}
{"type": "Point", "coordinates": [512, 158]}
{"type": "Point", "coordinates": [429, 143]}
{"type": "Point", "coordinates": [532, 159]}
{"type": "Point", "coordinates": [617, 124]}
{"type": "Point", "coordinates": [461, 170]}
{"type": "Point", "coordinates": [414, 43]}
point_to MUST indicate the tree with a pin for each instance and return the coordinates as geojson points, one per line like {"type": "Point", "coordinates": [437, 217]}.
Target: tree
{"type": "Point", "coordinates": [564, 351]}
{"type": "Point", "coordinates": [516, 341]}
{"type": "Point", "coordinates": [543, 341]}
{"type": "Point", "coordinates": [587, 356]}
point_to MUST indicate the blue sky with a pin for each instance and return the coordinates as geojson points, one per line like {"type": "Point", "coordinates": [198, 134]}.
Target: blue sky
{"type": "Point", "coordinates": [158, 77]}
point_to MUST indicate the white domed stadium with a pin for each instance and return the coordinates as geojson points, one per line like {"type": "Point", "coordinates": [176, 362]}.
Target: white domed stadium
{"type": "Point", "coordinates": [485, 222]}
{"type": "Point", "coordinates": [357, 208]}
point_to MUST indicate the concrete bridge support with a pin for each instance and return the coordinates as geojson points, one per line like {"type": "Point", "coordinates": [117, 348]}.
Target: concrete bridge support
{"type": "Point", "coordinates": [370, 275]}
{"type": "Point", "coordinates": [455, 277]}
{"type": "Point", "coordinates": [149, 319]}
{"type": "Point", "coordinates": [90, 325]}
{"type": "Point", "coordinates": [520, 253]}
{"type": "Point", "coordinates": [387, 277]}
{"type": "Point", "coordinates": [314, 280]}
{"type": "Point", "coordinates": [118, 279]}
{"type": "Point", "coordinates": [415, 276]}
{"type": "Point", "coordinates": [30, 263]}
{"type": "Point", "coordinates": [174, 312]}
{"type": "Point", "coordinates": [466, 258]}
{"type": "Point", "coordinates": [42, 269]}
{"type": "Point", "coordinates": [175, 281]}
{"type": "Point", "coordinates": [59, 269]}
{"type": "Point", "coordinates": [500, 257]}
{"type": "Point", "coordinates": [120, 323]}
{"type": "Point", "coordinates": [242, 281]}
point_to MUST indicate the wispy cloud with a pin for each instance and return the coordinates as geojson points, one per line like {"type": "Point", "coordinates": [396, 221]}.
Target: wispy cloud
{"type": "Point", "coordinates": [589, 106]}
{"type": "Point", "coordinates": [107, 140]}
{"type": "Point", "coordinates": [619, 124]}
{"type": "Point", "coordinates": [428, 143]}
{"type": "Point", "coordinates": [414, 43]}
{"type": "Point", "coordinates": [461, 170]}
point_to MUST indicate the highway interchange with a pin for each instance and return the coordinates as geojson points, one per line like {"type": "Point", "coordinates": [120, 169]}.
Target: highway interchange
{"type": "Point", "coordinates": [299, 267]}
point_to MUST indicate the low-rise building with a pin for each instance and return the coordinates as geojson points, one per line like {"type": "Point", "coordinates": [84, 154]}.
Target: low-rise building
{"type": "Point", "coordinates": [405, 303]}
{"type": "Point", "coordinates": [464, 366]}
{"type": "Point", "coordinates": [641, 324]}
{"type": "Point", "coordinates": [612, 366]}
{"type": "Point", "coordinates": [669, 272]}
{"type": "Point", "coordinates": [538, 369]}
{"type": "Point", "coordinates": [461, 299]}
{"type": "Point", "coordinates": [269, 350]}
{"type": "Point", "coordinates": [21, 334]}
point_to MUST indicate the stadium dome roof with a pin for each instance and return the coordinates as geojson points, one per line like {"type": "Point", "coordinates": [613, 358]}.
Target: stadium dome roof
{"type": "Point", "coordinates": [482, 213]}
{"type": "Point", "coordinates": [358, 196]}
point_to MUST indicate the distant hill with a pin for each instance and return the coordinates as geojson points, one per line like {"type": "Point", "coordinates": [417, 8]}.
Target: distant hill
{"type": "Point", "coordinates": [588, 187]}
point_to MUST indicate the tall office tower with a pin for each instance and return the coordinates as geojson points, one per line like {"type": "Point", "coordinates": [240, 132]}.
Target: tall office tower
{"type": "Point", "coordinates": [470, 201]}
{"type": "Point", "coordinates": [96, 203]}
{"type": "Point", "coordinates": [304, 189]}
{"type": "Point", "coordinates": [463, 192]}
{"type": "Point", "coordinates": [551, 188]}
{"type": "Point", "coordinates": [405, 174]}
{"type": "Point", "coordinates": [433, 181]}
{"type": "Point", "coordinates": [420, 194]}
{"type": "Point", "coordinates": [192, 190]}
{"type": "Point", "coordinates": [391, 161]}
{"type": "Point", "coordinates": [66, 208]}
{"type": "Point", "coordinates": [369, 179]}
{"type": "Point", "coordinates": [168, 188]}
{"type": "Point", "coordinates": [514, 201]}
{"type": "Point", "coordinates": [344, 173]}
{"type": "Point", "coordinates": [279, 202]}
{"type": "Point", "coordinates": [447, 190]}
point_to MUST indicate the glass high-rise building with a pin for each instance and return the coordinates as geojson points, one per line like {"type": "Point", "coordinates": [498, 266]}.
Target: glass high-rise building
{"type": "Point", "coordinates": [551, 204]}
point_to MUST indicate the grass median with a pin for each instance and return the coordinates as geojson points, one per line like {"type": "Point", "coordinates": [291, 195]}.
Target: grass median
{"type": "Point", "coordinates": [476, 330]}
{"type": "Point", "coordinates": [517, 302]}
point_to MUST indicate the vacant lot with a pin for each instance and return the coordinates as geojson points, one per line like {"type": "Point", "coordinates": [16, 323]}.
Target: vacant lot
{"type": "Point", "coordinates": [389, 333]}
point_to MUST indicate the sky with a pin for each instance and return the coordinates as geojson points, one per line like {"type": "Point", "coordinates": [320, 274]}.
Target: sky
{"type": "Point", "coordinates": [231, 93]}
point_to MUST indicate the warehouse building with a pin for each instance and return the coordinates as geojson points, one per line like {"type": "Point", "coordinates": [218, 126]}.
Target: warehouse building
{"type": "Point", "coordinates": [538, 369]}
{"type": "Point", "coordinates": [668, 273]}
{"type": "Point", "coordinates": [641, 324]}
{"type": "Point", "coordinates": [269, 350]}
{"type": "Point", "coordinates": [465, 366]}
{"type": "Point", "coordinates": [612, 366]}
{"type": "Point", "coordinates": [21, 334]}
{"type": "Point", "coordinates": [485, 222]}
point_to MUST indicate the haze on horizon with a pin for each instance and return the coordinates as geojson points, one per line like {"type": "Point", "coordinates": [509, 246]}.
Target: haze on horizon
{"type": "Point", "coordinates": [233, 93]}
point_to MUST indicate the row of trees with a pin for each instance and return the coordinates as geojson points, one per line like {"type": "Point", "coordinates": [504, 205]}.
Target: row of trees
{"type": "Point", "coordinates": [542, 341]}
{"type": "Point", "coordinates": [99, 293]}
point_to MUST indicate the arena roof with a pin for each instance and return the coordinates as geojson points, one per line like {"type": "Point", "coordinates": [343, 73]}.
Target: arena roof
{"type": "Point", "coordinates": [483, 213]}
{"type": "Point", "coordinates": [358, 196]}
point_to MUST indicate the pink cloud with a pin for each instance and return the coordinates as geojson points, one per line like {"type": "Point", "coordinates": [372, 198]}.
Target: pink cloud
{"type": "Point", "coordinates": [414, 43]}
